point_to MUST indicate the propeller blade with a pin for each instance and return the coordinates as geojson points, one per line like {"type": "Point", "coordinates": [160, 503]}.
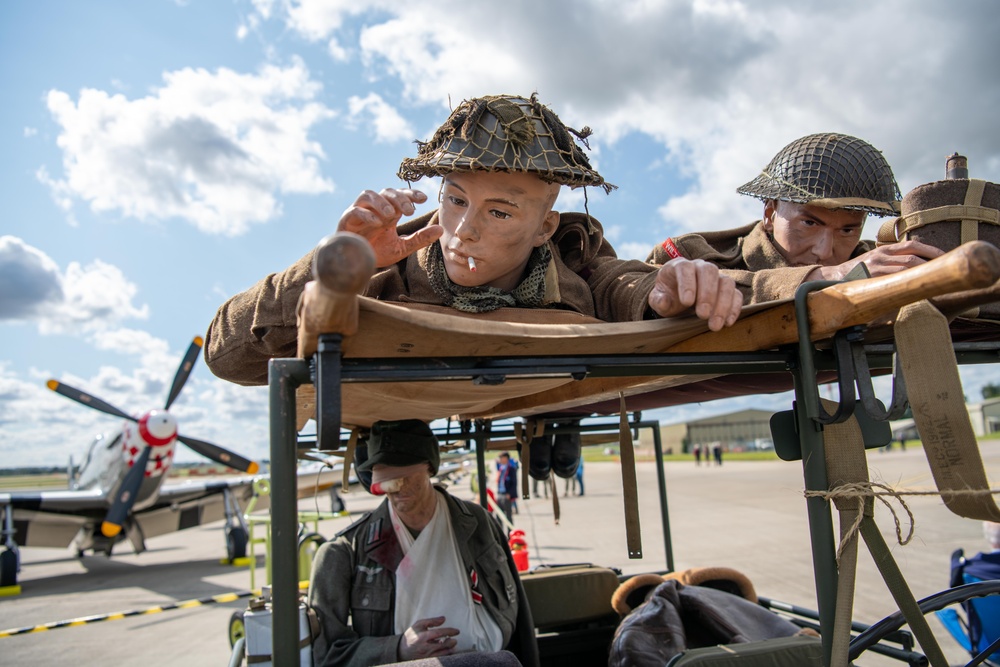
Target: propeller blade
{"type": "Point", "coordinates": [86, 399]}
{"type": "Point", "coordinates": [187, 363]}
{"type": "Point", "coordinates": [125, 496]}
{"type": "Point", "coordinates": [220, 455]}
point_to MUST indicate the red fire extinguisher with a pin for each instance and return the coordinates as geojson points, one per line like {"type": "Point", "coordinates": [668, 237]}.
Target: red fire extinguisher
{"type": "Point", "coordinates": [519, 549]}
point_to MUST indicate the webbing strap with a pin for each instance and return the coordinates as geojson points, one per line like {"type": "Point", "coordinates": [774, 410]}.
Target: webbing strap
{"type": "Point", "coordinates": [352, 444]}
{"type": "Point", "coordinates": [534, 428]}
{"type": "Point", "coordinates": [901, 592]}
{"type": "Point", "coordinates": [930, 370]}
{"type": "Point", "coordinates": [973, 197]}
{"type": "Point", "coordinates": [844, 448]}
{"type": "Point", "coordinates": [551, 481]}
{"type": "Point", "coordinates": [888, 231]}
{"type": "Point", "coordinates": [633, 537]}
{"type": "Point", "coordinates": [971, 213]}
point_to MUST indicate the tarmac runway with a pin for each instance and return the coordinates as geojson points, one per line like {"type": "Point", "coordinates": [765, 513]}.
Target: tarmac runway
{"type": "Point", "coordinates": [750, 516]}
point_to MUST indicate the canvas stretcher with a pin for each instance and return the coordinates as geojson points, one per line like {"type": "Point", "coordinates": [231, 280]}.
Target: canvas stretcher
{"type": "Point", "coordinates": [364, 367]}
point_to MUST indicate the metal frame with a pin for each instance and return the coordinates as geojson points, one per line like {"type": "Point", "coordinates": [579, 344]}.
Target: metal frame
{"type": "Point", "coordinates": [329, 370]}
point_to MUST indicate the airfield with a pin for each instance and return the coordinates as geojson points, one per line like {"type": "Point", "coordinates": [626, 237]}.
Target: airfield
{"type": "Point", "coordinates": [747, 515]}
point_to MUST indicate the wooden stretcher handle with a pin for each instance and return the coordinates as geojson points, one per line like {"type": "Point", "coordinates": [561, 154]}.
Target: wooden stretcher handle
{"type": "Point", "coordinates": [953, 305]}
{"type": "Point", "coordinates": [973, 265]}
{"type": "Point", "coordinates": [970, 266]}
{"type": "Point", "coordinates": [343, 264]}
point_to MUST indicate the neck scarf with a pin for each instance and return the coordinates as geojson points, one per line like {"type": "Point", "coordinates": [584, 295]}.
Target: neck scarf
{"type": "Point", "coordinates": [528, 294]}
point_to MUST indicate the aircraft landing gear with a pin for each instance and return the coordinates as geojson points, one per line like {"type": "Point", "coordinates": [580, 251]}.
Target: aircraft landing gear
{"type": "Point", "coordinates": [10, 557]}
{"type": "Point", "coordinates": [237, 533]}
{"type": "Point", "coordinates": [8, 567]}
{"type": "Point", "coordinates": [236, 542]}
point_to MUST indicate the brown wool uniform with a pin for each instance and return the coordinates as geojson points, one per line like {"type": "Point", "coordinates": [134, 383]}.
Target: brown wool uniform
{"type": "Point", "coordinates": [747, 255]}
{"type": "Point", "coordinates": [585, 276]}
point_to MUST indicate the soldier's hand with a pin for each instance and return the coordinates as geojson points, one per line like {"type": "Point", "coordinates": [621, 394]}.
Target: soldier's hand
{"type": "Point", "coordinates": [684, 283]}
{"type": "Point", "coordinates": [426, 639]}
{"type": "Point", "coordinates": [374, 215]}
{"type": "Point", "coordinates": [882, 260]}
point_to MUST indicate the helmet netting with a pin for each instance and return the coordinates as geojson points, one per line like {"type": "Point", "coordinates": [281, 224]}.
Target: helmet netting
{"type": "Point", "coordinates": [836, 168]}
{"type": "Point", "coordinates": [505, 133]}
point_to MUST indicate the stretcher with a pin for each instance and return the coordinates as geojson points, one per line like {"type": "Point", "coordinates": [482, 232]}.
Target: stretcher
{"type": "Point", "coordinates": [361, 360]}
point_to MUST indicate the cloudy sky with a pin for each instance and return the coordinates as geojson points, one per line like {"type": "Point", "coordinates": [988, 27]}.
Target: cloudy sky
{"type": "Point", "coordinates": [161, 156]}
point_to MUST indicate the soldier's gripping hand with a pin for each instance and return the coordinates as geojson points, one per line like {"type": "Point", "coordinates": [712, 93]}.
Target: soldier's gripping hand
{"type": "Point", "coordinates": [683, 284]}
{"type": "Point", "coordinates": [374, 215]}
{"type": "Point", "coordinates": [882, 260]}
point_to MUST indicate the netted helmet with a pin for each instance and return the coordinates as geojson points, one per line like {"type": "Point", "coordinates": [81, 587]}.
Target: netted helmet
{"type": "Point", "coordinates": [505, 133]}
{"type": "Point", "coordinates": [830, 170]}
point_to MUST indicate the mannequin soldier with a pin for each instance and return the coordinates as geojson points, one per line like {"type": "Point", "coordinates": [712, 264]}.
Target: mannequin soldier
{"type": "Point", "coordinates": [817, 192]}
{"type": "Point", "coordinates": [494, 242]}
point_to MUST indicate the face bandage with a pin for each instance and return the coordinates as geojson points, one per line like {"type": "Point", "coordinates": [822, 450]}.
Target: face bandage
{"type": "Point", "coordinates": [389, 479]}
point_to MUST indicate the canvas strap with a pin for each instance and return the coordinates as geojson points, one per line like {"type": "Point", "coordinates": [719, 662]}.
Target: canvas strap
{"type": "Point", "coordinates": [633, 537]}
{"type": "Point", "coordinates": [930, 371]}
{"type": "Point", "coordinates": [532, 428]}
{"type": "Point", "coordinates": [850, 491]}
{"type": "Point", "coordinates": [352, 445]}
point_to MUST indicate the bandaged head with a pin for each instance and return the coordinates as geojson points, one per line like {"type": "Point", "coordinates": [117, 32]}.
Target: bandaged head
{"type": "Point", "coordinates": [505, 133]}
{"type": "Point", "coordinates": [829, 170]}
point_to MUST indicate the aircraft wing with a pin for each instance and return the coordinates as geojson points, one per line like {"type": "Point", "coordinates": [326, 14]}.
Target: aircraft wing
{"type": "Point", "coordinates": [52, 518]}
{"type": "Point", "coordinates": [193, 502]}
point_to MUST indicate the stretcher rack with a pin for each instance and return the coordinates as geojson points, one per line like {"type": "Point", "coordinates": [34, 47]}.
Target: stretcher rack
{"type": "Point", "coordinates": [848, 355]}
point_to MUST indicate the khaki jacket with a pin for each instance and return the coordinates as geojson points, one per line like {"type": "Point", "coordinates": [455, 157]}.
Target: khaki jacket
{"type": "Point", "coordinates": [585, 275]}
{"type": "Point", "coordinates": [353, 587]}
{"type": "Point", "coordinates": [746, 254]}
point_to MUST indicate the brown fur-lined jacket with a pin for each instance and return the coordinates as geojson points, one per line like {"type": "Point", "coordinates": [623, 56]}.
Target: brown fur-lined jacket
{"type": "Point", "coordinates": [585, 276]}
{"type": "Point", "coordinates": [746, 254]}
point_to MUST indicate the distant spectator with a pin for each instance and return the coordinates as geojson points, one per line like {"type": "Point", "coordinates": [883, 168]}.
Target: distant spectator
{"type": "Point", "coordinates": [697, 455]}
{"type": "Point", "coordinates": [506, 484]}
{"type": "Point", "coordinates": [717, 453]}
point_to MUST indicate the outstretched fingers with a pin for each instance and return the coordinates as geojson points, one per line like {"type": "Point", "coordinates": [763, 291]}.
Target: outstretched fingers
{"type": "Point", "coordinates": [374, 215]}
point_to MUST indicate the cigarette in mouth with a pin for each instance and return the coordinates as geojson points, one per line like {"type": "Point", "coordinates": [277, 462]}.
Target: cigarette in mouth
{"type": "Point", "coordinates": [472, 265]}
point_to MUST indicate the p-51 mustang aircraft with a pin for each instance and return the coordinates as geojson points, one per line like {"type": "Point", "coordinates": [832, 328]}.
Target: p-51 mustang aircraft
{"type": "Point", "coordinates": [120, 491]}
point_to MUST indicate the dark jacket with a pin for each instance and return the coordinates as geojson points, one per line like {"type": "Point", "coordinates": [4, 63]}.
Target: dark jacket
{"type": "Point", "coordinates": [676, 617]}
{"type": "Point", "coordinates": [353, 587]}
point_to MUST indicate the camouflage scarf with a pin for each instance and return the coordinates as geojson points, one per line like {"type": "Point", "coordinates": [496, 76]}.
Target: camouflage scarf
{"type": "Point", "coordinates": [528, 294]}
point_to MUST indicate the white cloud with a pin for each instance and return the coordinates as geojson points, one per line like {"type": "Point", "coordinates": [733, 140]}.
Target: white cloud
{"type": "Point", "coordinates": [389, 126]}
{"type": "Point", "coordinates": [722, 85]}
{"type": "Point", "coordinates": [30, 131]}
{"type": "Point", "coordinates": [213, 148]}
{"type": "Point", "coordinates": [83, 299]}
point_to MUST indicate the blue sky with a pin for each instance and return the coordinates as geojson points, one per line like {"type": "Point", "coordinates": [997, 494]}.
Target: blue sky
{"type": "Point", "coordinates": [164, 155]}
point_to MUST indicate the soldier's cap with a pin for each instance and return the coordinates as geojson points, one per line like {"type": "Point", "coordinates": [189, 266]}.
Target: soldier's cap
{"type": "Point", "coordinates": [505, 133]}
{"type": "Point", "coordinates": [401, 443]}
{"type": "Point", "coordinates": [832, 170]}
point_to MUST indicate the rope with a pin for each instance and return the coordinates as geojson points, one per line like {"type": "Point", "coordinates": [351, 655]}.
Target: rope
{"type": "Point", "coordinates": [862, 490]}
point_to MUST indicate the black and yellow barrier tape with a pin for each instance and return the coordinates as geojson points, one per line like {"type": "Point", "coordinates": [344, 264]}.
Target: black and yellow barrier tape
{"type": "Point", "coordinates": [118, 615]}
